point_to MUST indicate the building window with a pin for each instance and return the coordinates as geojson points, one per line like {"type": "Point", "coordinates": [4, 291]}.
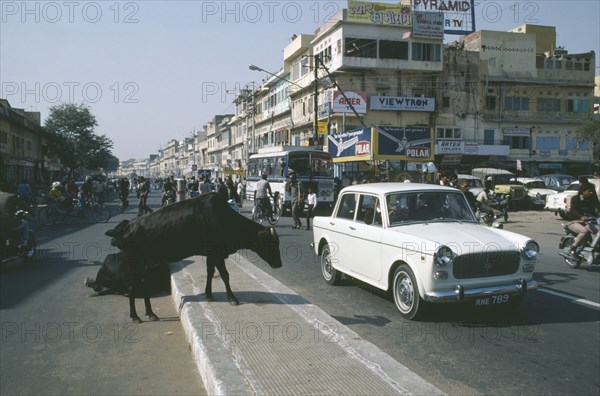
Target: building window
{"type": "Point", "coordinates": [361, 48]}
{"type": "Point", "coordinates": [393, 49]}
{"type": "Point", "coordinates": [547, 105]}
{"type": "Point", "coordinates": [426, 52]}
{"type": "Point", "coordinates": [578, 105]}
{"type": "Point", "coordinates": [488, 137]}
{"type": "Point", "coordinates": [547, 143]}
{"type": "Point", "coordinates": [517, 142]}
{"type": "Point", "coordinates": [490, 102]}
{"type": "Point", "coordinates": [516, 103]}
{"type": "Point", "coordinates": [448, 133]}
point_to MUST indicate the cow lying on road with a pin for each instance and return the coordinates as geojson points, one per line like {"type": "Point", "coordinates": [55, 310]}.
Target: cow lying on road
{"type": "Point", "coordinates": [205, 226]}
{"type": "Point", "coordinates": [113, 277]}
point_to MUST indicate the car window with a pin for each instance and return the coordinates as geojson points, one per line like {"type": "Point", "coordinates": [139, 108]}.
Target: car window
{"type": "Point", "coordinates": [347, 206]}
{"type": "Point", "coordinates": [573, 187]}
{"type": "Point", "coordinates": [369, 210]}
{"type": "Point", "coordinates": [428, 206]}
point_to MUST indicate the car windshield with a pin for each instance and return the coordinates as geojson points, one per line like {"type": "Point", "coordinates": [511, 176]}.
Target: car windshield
{"type": "Point", "coordinates": [536, 184]}
{"type": "Point", "coordinates": [475, 183]}
{"type": "Point", "coordinates": [428, 206]}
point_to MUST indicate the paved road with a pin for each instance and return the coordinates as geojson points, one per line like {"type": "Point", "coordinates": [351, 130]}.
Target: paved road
{"type": "Point", "coordinates": [550, 345]}
{"type": "Point", "coordinates": [56, 339]}
{"type": "Point", "coordinates": [70, 343]}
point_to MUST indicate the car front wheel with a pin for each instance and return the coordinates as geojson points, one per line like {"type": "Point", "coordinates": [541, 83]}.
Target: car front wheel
{"type": "Point", "coordinates": [406, 293]}
{"type": "Point", "coordinates": [330, 274]}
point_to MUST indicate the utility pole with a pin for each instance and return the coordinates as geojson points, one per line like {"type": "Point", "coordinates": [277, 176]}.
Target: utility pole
{"type": "Point", "coordinates": [315, 104]}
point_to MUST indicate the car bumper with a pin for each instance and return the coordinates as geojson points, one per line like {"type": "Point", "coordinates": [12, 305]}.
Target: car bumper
{"type": "Point", "coordinates": [462, 294]}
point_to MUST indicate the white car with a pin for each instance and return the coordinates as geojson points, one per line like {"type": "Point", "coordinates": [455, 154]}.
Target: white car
{"type": "Point", "coordinates": [537, 190]}
{"type": "Point", "coordinates": [560, 203]}
{"type": "Point", "coordinates": [422, 242]}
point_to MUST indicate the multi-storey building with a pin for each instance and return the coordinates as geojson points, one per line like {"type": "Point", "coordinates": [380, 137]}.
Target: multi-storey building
{"type": "Point", "coordinates": [504, 99]}
{"type": "Point", "coordinates": [21, 147]}
{"type": "Point", "coordinates": [526, 96]}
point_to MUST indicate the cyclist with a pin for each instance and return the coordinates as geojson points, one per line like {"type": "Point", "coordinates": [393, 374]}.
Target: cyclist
{"type": "Point", "coordinates": [85, 192]}
{"type": "Point", "coordinates": [262, 194]}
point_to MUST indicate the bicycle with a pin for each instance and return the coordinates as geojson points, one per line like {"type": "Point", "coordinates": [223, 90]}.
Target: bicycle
{"type": "Point", "coordinates": [52, 214]}
{"type": "Point", "coordinates": [259, 214]}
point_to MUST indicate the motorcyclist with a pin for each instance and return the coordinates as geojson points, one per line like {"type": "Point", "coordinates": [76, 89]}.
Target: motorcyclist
{"type": "Point", "coordinates": [483, 198]}
{"type": "Point", "coordinates": [583, 205]}
{"type": "Point", "coordinates": [123, 189]}
{"type": "Point", "coordinates": [262, 194]}
{"type": "Point", "coordinates": [168, 188]}
{"type": "Point", "coordinates": [10, 208]}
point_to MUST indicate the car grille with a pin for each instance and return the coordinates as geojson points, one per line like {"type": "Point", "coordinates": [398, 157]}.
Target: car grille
{"type": "Point", "coordinates": [482, 265]}
{"type": "Point", "coordinates": [517, 193]}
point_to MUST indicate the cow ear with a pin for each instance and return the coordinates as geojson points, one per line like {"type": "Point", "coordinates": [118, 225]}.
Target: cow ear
{"type": "Point", "coordinates": [263, 234]}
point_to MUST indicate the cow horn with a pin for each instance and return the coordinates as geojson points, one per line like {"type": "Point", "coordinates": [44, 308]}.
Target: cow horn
{"type": "Point", "coordinates": [272, 231]}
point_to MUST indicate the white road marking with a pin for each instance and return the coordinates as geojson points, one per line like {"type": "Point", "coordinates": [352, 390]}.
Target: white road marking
{"type": "Point", "coordinates": [570, 297]}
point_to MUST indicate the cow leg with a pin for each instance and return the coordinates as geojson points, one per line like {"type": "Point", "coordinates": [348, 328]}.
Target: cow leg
{"type": "Point", "coordinates": [210, 272]}
{"type": "Point", "coordinates": [220, 263]}
{"type": "Point", "coordinates": [132, 312]}
{"type": "Point", "coordinates": [149, 312]}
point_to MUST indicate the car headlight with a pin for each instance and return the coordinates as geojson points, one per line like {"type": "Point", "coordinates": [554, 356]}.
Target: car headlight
{"type": "Point", "coordinates": [530, 251]}
{"type": "Point", "coordinates": [444, 256]}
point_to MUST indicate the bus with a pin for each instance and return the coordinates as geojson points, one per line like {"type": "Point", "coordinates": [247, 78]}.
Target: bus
{"type": "Point", "coordinates": [314, 168]}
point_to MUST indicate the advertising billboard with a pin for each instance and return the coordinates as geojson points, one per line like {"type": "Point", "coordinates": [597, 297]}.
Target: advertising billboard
{"type": "Point", "coordinates": [357, 99]}
{"type": "Point", "coordinates": [350, 146]}
{"type": "Point", "coordinates": [379, 13]}
{"type": "Point", "coordinates": [403, 143]}
{"type": "Point", "coordinates": [459, 15]}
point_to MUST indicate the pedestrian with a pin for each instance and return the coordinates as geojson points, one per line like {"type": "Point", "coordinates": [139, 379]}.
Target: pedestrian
{"type": "Point", "coordinates": [231, 192]}
{"type": "Point", "coordinates": [296, 190]}
{"type": "Point", "coordinates": [144, 190]}
{"type": "Point", "coordinates": [205, 186]}
{"type": "Point", "coordinates": [311, 201]}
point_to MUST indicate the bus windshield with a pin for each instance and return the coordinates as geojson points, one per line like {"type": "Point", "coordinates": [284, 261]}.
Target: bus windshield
{"type": "Point", "coordinates": [307, 164]}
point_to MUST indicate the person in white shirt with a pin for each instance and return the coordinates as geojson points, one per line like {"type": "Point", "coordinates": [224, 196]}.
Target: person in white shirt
{"type": "Point", "coordinates": [312, 204]}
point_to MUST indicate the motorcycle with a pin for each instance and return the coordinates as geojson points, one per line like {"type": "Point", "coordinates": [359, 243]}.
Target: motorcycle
{"type": "Point", "coordinates": [169, 198]}
{"type": "Point", "coordinates": [588, 252]}
{"type": "Point", "coordinates": [123, 202]}
{"type": "Point", "coordinates": [500, 203]}
{"type": "Point", "coordinates": [11, 249]}
{"type": "Point", "coordinates": [489, 216]}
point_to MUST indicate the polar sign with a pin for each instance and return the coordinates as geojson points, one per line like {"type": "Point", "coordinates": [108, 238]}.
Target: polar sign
{"type": "Point", "coordinates": [404, 143]}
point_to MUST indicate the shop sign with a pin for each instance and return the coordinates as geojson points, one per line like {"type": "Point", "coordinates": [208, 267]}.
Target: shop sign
{"type": "Point", "coordinates": [428, 25]}
{"type": "Point", "coordinates": [357, 99]}
{"type": "Point", "coordinates": [402, 103]}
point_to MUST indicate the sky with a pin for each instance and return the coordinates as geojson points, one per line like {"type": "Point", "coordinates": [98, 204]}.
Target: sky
{"type": "Point", "coordinates": [152, 71]}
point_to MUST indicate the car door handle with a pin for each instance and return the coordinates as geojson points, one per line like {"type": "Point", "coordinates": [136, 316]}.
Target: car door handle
{"type": "Point", "coordinates": [331, 223]}
{"type": "Point", "coordinates": [352, 228]}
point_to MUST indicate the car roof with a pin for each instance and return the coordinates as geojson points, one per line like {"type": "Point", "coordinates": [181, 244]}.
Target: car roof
{"type": "Point", "coordinates": [385, 188]}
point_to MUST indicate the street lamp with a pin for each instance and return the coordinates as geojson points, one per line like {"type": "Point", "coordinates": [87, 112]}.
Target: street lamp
{"type": "Point", "coordinates": [256, 68]}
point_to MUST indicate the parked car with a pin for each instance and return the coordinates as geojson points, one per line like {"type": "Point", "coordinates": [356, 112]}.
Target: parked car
{"type": "Point", "coordinates": [504, 182]}
{"type": "Point", "coordinates": [560, 203]}
{"type": "Point", "coordinates": [558, 182]}
{"type": "Point", "coordinates": [423, 243]}
{"type": "Point", "coordinates": [476, 183]}
{"type": "Point", "coordinates": [537, 191]}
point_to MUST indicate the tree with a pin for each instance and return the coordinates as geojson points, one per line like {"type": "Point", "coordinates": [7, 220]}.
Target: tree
{"type": "Point", "coordinates": [71, 137]}
{"type": "Point", "coordinates": [590, 132]}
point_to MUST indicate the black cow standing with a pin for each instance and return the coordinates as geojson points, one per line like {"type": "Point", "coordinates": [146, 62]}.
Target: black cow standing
{"type": "Point", "coordinates": [205, 226]}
